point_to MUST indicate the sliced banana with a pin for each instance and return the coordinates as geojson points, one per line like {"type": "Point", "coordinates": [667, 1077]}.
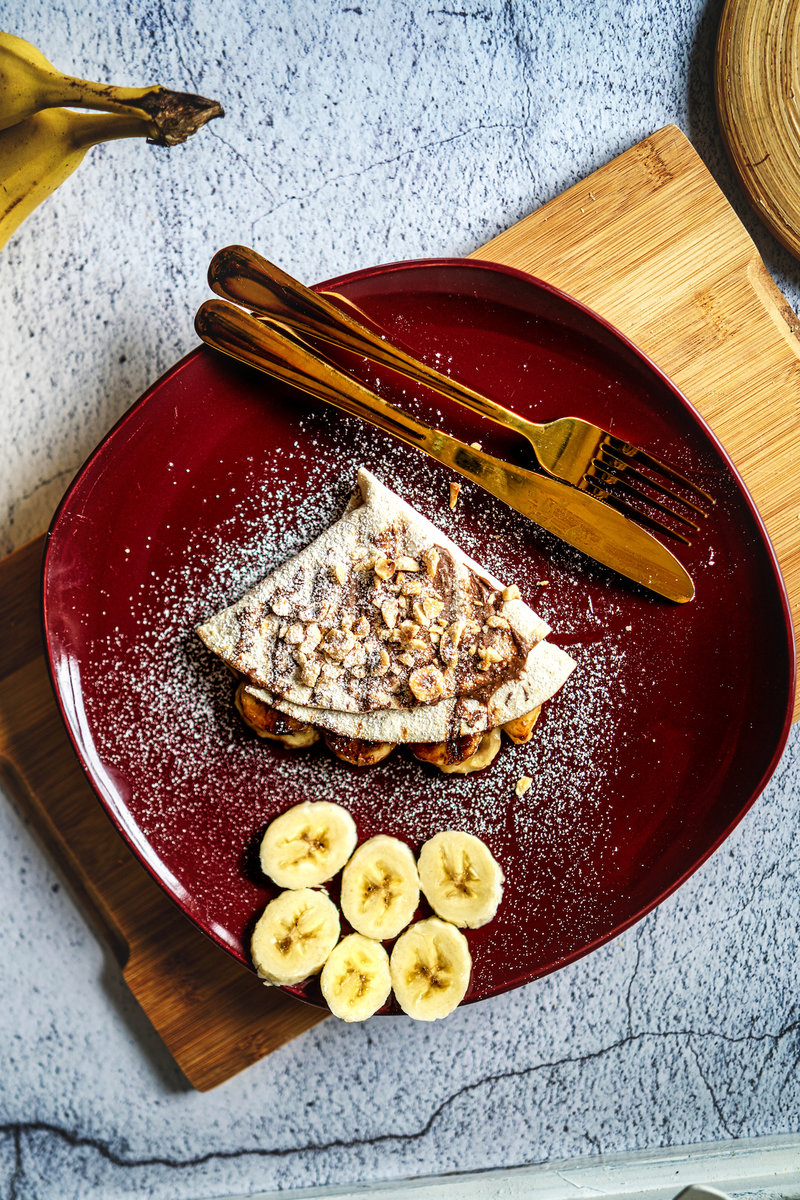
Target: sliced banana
{"type": "Point", "coordinates": [380, 888]}
{"type": "Point", "coordinates": [355, 980]}
{"type": "Point", "coordinates": [430, 969]}
{"type": "Point", "coordinates": [461, 879]}
{"type": "Point", "coordinates": [294, 936]}
{"type": "Point", "coordinates": [308, 844]}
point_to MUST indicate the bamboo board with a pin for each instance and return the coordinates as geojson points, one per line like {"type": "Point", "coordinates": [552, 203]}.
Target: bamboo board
{"type": "Point", "coordinates": [650, 242]}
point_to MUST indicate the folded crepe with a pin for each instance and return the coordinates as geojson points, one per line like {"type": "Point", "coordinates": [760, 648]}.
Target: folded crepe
{"type": "Point", "coordinates": [383, 629]}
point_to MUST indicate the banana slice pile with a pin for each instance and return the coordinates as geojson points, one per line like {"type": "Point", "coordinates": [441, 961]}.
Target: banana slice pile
{"type": "Point", "coordinates": [298, 934]}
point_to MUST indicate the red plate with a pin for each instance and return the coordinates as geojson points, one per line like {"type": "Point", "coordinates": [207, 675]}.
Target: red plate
{"type": "Point", "coordinates": [656, 747]}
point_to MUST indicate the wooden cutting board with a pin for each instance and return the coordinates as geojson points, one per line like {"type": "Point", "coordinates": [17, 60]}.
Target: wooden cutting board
{"type": "Point", "coordinates": [648, 241]}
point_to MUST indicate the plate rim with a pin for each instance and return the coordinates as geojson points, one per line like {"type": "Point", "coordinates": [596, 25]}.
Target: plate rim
{"type": "Point", "coordinates": [377, 270]}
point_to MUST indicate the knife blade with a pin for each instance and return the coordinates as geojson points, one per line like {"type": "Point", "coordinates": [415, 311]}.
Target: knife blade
{"type": "Point", "coordinates": [578, 519]}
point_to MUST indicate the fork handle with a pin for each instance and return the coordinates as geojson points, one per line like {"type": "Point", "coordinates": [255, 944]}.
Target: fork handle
{"type": "Point", "coordinates": [240, 274]}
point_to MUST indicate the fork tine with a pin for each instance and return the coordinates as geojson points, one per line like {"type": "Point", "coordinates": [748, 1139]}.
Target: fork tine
{"type": "Point", "coordinates": [594, 488]}
{"type": "Point", "coordinates": [614, 481]}
{"type": "Point", "coordinates": [631, 453]}
{"type": "Point", "coordinates": [615, 462]}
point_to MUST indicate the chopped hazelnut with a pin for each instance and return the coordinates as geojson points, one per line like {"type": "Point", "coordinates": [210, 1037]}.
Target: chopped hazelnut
{"type": "Point", "coordinates": [411, 587]}
{"type": "Point", "coordinates": [426, 683]}
{"type": "Point", "coordinates": [406, 563]}
{"type": "Point", "coordinates": [384, 567]}
{"type": "Point", "coordinates": [497, 622]}
{"type": "Point", "coordinates": [455, 488]}
{"type": "Point", "coordinates": [361, 627]}
{"type": "Point", "coordinates": [295, 635]}
{"type": "Point", "coordinates": [511, 593]}
{"type": "Point", "coordinates": [450, 639]}
{"type": "Point", "coordinates": [430, 557]}
{"type": "Point", "coordinates": [389, 611]}
{"type": "Point", "coordinates": [338, 573]}
{"type": "Point", "coordinates": [523, 783]}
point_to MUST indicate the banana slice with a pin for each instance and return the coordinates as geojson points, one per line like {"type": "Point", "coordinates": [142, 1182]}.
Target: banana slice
{"type": "Point", "coordinates": [308, 844]}
{"type": "Point", "coordinates": [355, 980]}
{"type": "Point", "coordinates": [460, 878]}
{"type": "Point", "coordinates": [294, 936]}
{"type": "Point", "coordinates": [380, 888]}
{"type": "Point", "coordinates": [430, 969]}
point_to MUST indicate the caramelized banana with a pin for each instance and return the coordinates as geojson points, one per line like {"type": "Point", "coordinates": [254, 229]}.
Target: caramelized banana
{"type": "Point", "coordinates": [521, 728]}
{"type": "Point", "coordinates": [357, 751]}
{"type": "Point", "coordinates": [447, 754]}
{"type": "Point", "coordinates": [267, 722]}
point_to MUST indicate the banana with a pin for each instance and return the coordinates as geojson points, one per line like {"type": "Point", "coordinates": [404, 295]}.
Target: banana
{"type": "Point", "coordinates": [268, 723]}
{"type": "Point", "coordinates": [380, 888]}
{"type": "Point", "coordinates": [487, 751]}
{"type": "Point", "coordinates": [355, 980]}
{"type": "Point", "coordinates": [294, 936]}
{"type": "Point", "coordinates": [30, 84]}
{"type": "Point", "coordinates": [38, 155]}
{"type": "Point", "coordinates": [520, 730]}
{"type": "Point", "coordinates": [460, 878]}
{"type": "Point", "coordinates": [430, 969]}
{"type": "Point", "coordinates": [308, 844]}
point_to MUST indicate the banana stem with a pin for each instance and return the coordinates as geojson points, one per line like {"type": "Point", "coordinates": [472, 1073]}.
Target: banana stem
{"type": "Point", "coordinates": [172, 117]}
{"type": "Point", "coordinates": [90, 130]}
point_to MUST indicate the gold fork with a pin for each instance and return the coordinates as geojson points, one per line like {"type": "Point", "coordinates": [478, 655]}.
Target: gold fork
{"type": "Point", "coordinates": [570, 449]}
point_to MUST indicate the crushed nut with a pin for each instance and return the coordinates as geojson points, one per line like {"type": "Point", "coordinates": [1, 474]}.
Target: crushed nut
{"type": "Point", "coordinates": [497, 622]}
{"type": "Point", "coordinates": [491, 654]}
{"type": "Point", "coordinates": [280, 606]}
{"type": "Point", "coordinates": [523, 783]}
{"type": "Point", "coordinates": [412, 587]}
{"type": "Point", "coordinates": [295, 635]}
{"type": "Point", "coordinates": [420, 615]}
{"type": "Point", "coordinates": [406, 659]}
{"type": "Point", "coordinates": [313, 637]}
{"type": "Point", "coordinates": [338, 644]}
{"type": "Point", "coordinates": [389, 611]}
{"type": "Point", "coordinates": [406, 563]}
{"type": "Point", "coordinates": [310, 672]}
{"type": "Point", "coordinates": [361, 627]}
{"type": "Point", "coordinates": [338, 573]}
{"type": "Point", "coordinates": [449, 642]}
{"type": "Point", "coordinates": [383, 664]}
{"type": "Point", "coordinates": [455, 488]}
{"type": "Point", "coordinates": [430, 557]}
{"type": "Point", "coordinates": [432, 606]}
{"type": "Point", "coordinates": [384, 567]}
{"type": "Point", "coordinates": [426, 683]}
{"type": "Point", "coordinates": [511, 593]}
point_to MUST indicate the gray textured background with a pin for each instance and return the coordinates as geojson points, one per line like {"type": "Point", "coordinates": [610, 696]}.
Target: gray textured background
{"type": "Point", "coordinates": [355, 134]}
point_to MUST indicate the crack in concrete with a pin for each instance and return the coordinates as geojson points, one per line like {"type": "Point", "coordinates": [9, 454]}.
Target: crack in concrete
{"type": "Point", "coordinates": [20, 1130]}
{"type": "Point", "coordinates": [332, 180]}
{"type": "Point", "coordinates": [707, 1085]}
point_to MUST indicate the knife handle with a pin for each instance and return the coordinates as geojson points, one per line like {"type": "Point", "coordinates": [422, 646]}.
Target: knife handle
{"type": "Point", "coordinates": [239, 274]}
{"type": "Point", "coordinates": [285, 356]}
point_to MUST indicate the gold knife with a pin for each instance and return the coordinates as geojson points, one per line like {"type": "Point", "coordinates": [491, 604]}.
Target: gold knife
{"type": "Point", "coordinates": [592, 527]}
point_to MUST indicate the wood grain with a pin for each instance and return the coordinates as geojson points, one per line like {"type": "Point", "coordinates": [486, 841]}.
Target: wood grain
{"type": "Point", "coordinates": [650, 242]}
{"type": "Point", "coordinates": [757, 89]}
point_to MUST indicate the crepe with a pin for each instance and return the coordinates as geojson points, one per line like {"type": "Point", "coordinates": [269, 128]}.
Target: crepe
{"type": "Point", "coordinates": [383, 629]}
